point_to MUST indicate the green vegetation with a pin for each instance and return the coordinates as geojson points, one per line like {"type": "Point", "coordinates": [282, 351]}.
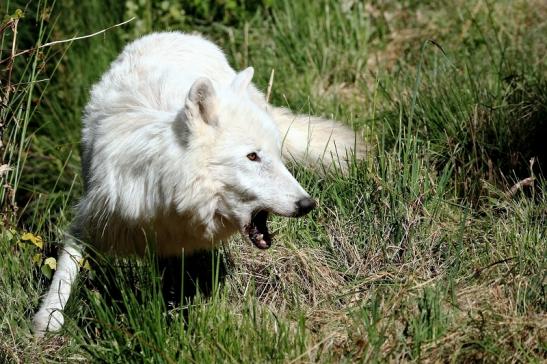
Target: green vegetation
{"type": "Point", "coordinates": [428, 250]}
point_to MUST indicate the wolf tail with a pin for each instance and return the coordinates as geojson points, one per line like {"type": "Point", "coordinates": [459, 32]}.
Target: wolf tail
{"type": "Point", "coordinates": [316, 141]}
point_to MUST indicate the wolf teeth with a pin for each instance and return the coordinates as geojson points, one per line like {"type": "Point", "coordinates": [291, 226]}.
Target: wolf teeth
{"type": "Point", "coordinates": [260, 237]}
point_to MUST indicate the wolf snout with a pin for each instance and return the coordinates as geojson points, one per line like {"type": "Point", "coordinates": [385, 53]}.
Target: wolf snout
{"type": "Point", "coordinates": [304, 205]}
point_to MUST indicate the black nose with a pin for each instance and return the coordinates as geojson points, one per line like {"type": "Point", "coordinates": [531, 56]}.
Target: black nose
{"type": "Point", "coordinates": [304, 206]}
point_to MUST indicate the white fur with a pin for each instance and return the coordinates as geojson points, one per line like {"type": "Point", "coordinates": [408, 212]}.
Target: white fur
{"type": "Point", "coordinates": [50, 316]}
{"type": "Point", "coordinates": [165, 141]}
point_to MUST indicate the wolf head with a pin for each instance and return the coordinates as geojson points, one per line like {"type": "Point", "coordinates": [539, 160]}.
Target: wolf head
{"type": "Point", "coordinates": [241, 145]}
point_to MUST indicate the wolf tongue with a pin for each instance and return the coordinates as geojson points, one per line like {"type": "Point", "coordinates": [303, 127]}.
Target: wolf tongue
{"type": "Point", "coordinates": [261, 244]}
{"type": "Point", "coordinates": [257, 230]}
{"type": "Point", "coordinates": [258, 240]}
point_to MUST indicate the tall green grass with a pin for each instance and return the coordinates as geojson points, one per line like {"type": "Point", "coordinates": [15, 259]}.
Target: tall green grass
{"type": "Point", "coordinates": [24, 75]}
{"type": "Point", "coordinates": [418, 253]}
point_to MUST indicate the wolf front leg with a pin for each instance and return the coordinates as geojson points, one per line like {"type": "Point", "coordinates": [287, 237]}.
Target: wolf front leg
{"type": "Point", "coordinates": [50, 316]}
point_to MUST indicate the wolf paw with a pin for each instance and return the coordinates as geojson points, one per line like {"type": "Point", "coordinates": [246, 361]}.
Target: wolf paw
{"type": "Point", "coordinates": [47, 320]}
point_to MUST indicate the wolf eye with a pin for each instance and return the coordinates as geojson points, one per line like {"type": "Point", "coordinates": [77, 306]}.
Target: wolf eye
{"type": "Point", "coordinates": [253, 157]}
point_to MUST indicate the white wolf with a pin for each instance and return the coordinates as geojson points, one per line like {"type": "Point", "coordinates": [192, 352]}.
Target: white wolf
{"type": "Point", "coordinates": [179, 149]}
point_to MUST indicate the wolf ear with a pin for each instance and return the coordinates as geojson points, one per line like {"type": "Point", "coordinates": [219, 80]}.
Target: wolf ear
{"type": "Point", "coordinates": [202, 101]}
{"type": "Point", "coordinates": [243, 80]}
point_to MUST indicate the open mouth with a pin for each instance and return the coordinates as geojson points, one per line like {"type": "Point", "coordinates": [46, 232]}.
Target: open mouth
{"type": "Point", "coordinates": [257, 230]}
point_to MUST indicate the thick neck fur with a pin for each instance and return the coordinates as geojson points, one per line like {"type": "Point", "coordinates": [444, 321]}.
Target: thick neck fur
{"type": "Point", "coordinates": [146, 170]}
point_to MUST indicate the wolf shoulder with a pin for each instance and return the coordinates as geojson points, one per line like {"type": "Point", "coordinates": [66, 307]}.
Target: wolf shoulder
{"type": "Point", "coordinates": [172, 57]}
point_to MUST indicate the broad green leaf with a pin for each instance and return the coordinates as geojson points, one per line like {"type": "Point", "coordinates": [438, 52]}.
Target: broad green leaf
{"type": "Point", "coordinates": [47, 271]}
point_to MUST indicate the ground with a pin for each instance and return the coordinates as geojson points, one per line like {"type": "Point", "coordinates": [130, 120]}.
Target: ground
{"type": "Point", "coordinates": [432, 249]}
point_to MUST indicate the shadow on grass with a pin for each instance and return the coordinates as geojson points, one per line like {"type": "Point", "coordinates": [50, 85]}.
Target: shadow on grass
{"type": "Point", "coordinates": [168, 283]}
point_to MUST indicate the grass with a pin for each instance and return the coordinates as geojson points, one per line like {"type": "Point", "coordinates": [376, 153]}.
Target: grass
{"type": "Point", "coordinates": [419, 253]}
